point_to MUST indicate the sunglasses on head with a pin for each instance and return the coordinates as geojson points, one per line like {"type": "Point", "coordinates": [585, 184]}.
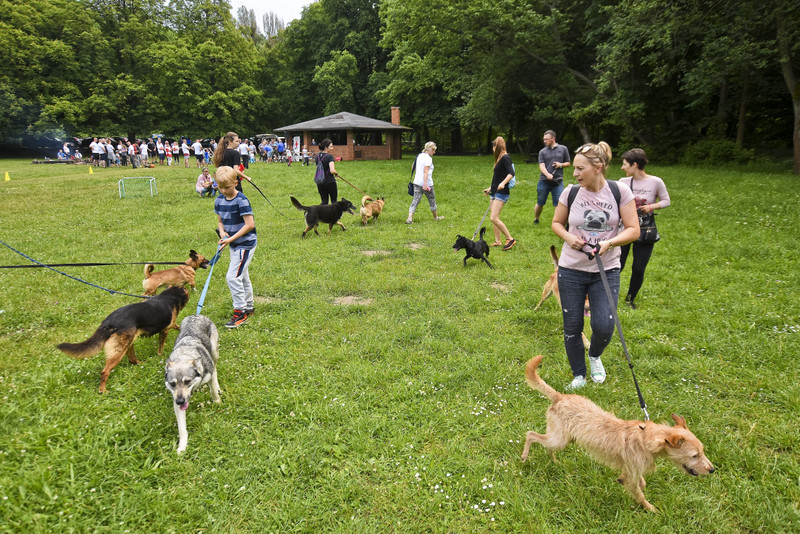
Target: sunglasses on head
{"type": "Point", "coordinates": [588, 147]}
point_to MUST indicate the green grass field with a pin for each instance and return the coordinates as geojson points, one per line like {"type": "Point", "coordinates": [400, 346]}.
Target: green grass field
{"type": "Point", "coordinates": [404, 409]}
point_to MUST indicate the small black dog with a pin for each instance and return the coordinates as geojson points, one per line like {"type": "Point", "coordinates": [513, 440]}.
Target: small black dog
{"type": "Point", "coordinates": [475, 249]}
{"type": "Point", "coordinates": [324, 213]}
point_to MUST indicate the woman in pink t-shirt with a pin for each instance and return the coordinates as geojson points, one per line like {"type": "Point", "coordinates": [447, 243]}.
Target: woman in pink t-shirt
{"type": "Point", "coordinates": [650, 194]}
{"type": "Point", "coordinates": [594, 218]}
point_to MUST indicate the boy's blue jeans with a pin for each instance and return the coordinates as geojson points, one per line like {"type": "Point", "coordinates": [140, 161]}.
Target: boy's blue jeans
{"type": "Point", "coordinates": [574, 286]}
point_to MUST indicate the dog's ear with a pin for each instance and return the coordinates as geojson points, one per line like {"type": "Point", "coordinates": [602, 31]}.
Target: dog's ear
{"type": "Point", "coordinates": [193, 254]}
{"type": "Point", "coordinates": [680, 422]}
{"type": "Point", "coordinates": [674, 439]}
{"type": "Point", "coordinates": [197, 363]}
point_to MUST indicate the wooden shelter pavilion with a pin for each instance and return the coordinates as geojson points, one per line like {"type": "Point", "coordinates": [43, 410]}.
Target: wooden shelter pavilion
{"type": "Point", "coordinates": [354, 137]}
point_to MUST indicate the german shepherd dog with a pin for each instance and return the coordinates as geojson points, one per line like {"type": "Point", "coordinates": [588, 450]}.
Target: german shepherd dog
{"type": "Point", "coordinates": [120, 329]}
{"type": "Point", "coordinates": [629, 446]}
{"type": "Point", "coordinates": [371, 208]}
{"type": "Point", "coordinates": [192, 364]}
{"type": "Point", "coordinates": [182, 274]}
{"type": "Point", "coordinates": [475, 249]}
{"type": "Point", "coordinates": [324, 213]}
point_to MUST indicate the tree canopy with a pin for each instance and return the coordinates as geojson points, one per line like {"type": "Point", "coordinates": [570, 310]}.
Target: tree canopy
{"type": "Point", "coordinates": [665, 75]}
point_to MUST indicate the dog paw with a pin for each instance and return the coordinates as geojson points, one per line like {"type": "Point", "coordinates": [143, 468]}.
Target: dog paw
{"type": "Point", "coordinates": [181, 449]}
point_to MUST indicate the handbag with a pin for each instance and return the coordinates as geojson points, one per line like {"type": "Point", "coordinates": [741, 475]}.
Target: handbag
{"type": "Point", "coordinates": [411, 183]}
{"type": "Point", "coordinates": [648, 230]}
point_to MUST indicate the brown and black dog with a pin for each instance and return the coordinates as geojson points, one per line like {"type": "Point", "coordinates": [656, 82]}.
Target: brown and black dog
{"type": "Point", "coordinates": [629, 446]}
{"type": "Point", "coordinates": [180, 275]}
{"type": "Point", "coordinates": [120, 329]}
{"type": "Point", "coordinates": [371, 208]}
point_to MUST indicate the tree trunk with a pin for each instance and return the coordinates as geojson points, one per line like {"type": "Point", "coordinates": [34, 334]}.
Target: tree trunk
{"type": "Point", "coordinates": [721, 126]}
{"type": "Point", "coordinates": [456, 140]}
{"type": "Point", "coordinates": [584, 133]}
{"type": "Point", "coordinates": [740, 123]}
{"type": "Point", "coordinates": [792, 83]}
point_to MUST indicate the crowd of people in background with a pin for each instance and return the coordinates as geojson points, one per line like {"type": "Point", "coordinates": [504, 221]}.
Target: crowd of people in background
{"type": "Point", "coordinates": [111, 152]}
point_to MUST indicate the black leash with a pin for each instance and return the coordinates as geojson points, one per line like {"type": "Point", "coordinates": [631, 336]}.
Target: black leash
{"type": "Point", "coordinates": [339, 176]}
{"type": "Point", "coordinates": [112, 291]}
{"type": "Point", "coordinates": [37, 266]}
{"type": "Point", "coordinates": [268, 201]}
{"type": "Point", "coordinates": [612, 305]}
{"type": "Point", "coordinates": [482, 219]}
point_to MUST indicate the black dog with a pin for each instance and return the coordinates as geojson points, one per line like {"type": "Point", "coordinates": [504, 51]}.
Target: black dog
{"type": "Point", "coordinates": [475, 249]}
{"type": "Point", "coordinates": [324, 213]}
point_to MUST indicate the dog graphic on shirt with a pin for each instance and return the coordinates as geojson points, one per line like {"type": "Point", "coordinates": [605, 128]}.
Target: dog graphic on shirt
{"type": "Point", "coordinates": [595, 221]}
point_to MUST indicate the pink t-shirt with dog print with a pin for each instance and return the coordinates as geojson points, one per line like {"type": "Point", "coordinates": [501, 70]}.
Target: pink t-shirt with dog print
{"type": "Point", "coordinates": [594, 217]}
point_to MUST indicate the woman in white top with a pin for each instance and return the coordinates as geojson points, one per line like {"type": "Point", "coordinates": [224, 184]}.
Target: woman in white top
{"type": "Point", "coordinates": [423, 182]}
{"type": "Point", "coordinates": [593, 215]}
{"type": "Point", "coordinates": [650, 194]}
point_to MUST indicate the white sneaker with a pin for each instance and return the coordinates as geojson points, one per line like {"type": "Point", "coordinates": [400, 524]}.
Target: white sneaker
{"type": "Point", "coordinates": [597, 370]}
{"type": "Point", "coordinates": [577, 383]}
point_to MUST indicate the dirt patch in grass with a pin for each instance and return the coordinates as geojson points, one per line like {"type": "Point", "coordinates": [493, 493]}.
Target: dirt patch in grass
{"type": "Point", "coordinates": [352, 300]}
{"type": "Point", "coordinates": [498, 286]}
{"type": "Point", "coordinates": [415, 246]}
{"type": "Point", "coordinates": [375, 252]}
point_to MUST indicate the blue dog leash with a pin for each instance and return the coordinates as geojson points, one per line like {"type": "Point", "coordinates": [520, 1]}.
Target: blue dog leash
{"type": "Point", "coordinates": [208, 279]}
{"type": "Point", "coordinates": [112, 291]}
{"type": "Point", "coordinates": [593, 254]}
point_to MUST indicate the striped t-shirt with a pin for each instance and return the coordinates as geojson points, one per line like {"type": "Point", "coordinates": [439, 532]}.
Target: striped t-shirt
{"type": "Point", "coordinates": [232, 213]}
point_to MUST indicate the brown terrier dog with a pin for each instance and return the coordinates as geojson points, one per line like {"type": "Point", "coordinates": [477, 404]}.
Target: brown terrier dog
{"type": "Point", "coordinates": [631, 446]}
{"type": "Point", "coordinates": [551, 288]}
{"type": "Point", "coordinates": [180, 275]}
{"type": "Point", "coordinates": [371, 208]}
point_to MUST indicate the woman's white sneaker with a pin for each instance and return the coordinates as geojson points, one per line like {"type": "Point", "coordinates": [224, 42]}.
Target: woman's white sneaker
{"type": "Point", "coordinates": [577, 383]}
{"type": "Point", "coordinates": [597, 371]}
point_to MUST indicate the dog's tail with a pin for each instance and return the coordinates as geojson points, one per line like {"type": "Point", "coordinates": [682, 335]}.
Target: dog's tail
{"type": "Point", "coordinates": [535, 382]}
{"type": "Point", "coordinates": [483, 231]}
{"type": "Point", "coordinates": [148, 270]}
{"type": "Point", "coordinates": [364, 200]}
{"type": "Point", "coordinates": [298, 205]}
{"type": "Point", "coordinates": [88, 348]}
{"type": "Point", "coordinates": [554, 255]}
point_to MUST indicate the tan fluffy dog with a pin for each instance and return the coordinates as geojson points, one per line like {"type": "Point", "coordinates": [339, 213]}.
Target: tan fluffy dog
{"type": "Point", "coordinates": [180, 275]}
{"type": "Point", "coordinates": [630, 446]}
{"type": "Point", "coordinates": [371, 208]}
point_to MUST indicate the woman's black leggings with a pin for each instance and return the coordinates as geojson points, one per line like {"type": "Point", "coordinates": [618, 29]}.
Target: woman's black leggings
{"type": "Point", "coordinates": [326, 191]}
{"type": "Point", "coordinates": [641, 257]}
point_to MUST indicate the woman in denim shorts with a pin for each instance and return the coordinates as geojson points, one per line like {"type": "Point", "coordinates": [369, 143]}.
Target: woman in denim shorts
{"type": "Point", "coordinates": [500, 193]}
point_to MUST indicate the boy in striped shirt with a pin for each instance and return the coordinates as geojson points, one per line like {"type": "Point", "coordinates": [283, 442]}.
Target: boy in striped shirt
{"type": "Point", "coordinates": [237, 228]}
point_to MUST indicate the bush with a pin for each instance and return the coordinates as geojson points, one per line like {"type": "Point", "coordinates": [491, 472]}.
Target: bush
{"type": "Point", "coordinates": [717, 151]}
